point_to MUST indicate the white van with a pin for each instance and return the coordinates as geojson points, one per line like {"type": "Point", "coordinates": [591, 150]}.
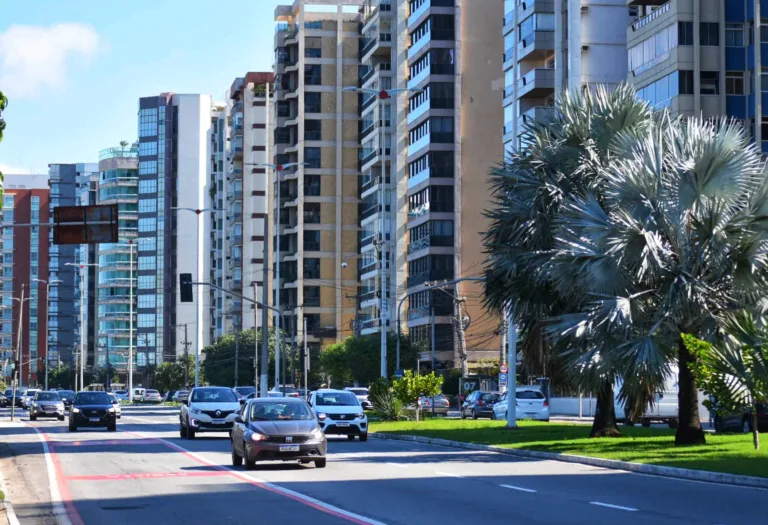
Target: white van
{"type": "Point", "coordinates": [138, 394]}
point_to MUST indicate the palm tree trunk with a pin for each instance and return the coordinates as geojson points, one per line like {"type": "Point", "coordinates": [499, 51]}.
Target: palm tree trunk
{"type": "Point", "coordinates": [755, 433]}
{"type": "Point", "coordinates": [689, 431]}
{"type": "Point", "coordinates": [604, 424]}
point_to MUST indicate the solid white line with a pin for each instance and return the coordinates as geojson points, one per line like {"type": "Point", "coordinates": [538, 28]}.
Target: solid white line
{"type": "Point", "coordinates": [400, 465]}
{"type": "Point", "coordinates": [521, 489]}
{"type": "Point", "coordinates": [449, 475]}
{"type": "Point", "coordinates": [608, 505]}
{"type": "Point", "coordinates": [275, 488]}
{"type": "Point", "coordinates": [59, 509]}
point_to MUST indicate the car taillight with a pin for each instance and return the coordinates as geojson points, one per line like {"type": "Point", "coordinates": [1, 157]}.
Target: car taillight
{"type": "Point", "coordinates": [480, 403]}
{"type": "Point", "coordinates": [546, 403]}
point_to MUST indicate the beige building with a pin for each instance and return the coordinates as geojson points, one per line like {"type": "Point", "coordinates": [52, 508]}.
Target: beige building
{"type": "Point", "coordinates": [316, 123]}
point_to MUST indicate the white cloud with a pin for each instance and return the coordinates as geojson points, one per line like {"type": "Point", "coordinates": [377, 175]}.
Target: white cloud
{"type": "Point", "coordinates": [32, 57]}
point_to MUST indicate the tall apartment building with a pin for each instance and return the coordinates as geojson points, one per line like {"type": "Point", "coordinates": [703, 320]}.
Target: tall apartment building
{"type": "Point", "coordinates": [316, 123]}
{"type": "Point", "coordinates": [116, 282]}
{"type": "Point", "coordinates": [174, 172]}
{"type": "Point", "coordinates": [700, 57]}
{"type": "Point", "coordinates": [70, 185]}
{"type": "Point", "coordinates": [24, 261]}
{"type": "Point", "coordinates": [552, 45]}
{"type": "Point", "coordinates": [218, 269]}
{"type": "Point", "coordinates": [246, 202]}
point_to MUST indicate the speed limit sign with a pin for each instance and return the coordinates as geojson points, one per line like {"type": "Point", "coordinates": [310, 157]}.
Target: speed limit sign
{"type": "Point", "coordinates": [503, 369]}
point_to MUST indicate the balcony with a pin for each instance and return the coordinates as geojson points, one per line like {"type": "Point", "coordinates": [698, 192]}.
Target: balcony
{"type": "Point", "coordinates": [371, 183]}
{"type": "Point", "coordinates": [368, 267]}
{"type": "Point", "coordinates": [423, 6]}
{"type": "Point", "coordinates": [381, 43]}
{"type": "Point", "coordinates": [526, 8]}
{"type": "Point", "coordinates": [381, 66]}
{"type": "Point", "coordinates": [235, 174]}
{"type": "Point", "coordinates": [538, 82]}
{"type": "Point", "coordinates": [369, 211]}
{"type": "Point", "coordinates": [537, 44]}
{"type": "Point", "coordinates": [419, 211]}
{"type": "Point", "coordinates": [375, 8]}
{"type": "Point", "coordinates": [235, 240]}
{"type": "Point", "coordinates": [429, 241]}
{"type": "Point", "coordinates": [369, 323]}
{"type": "Point", "coordinates": [541, 114]}
{"type": "Point", "coordinates": [650, 17]}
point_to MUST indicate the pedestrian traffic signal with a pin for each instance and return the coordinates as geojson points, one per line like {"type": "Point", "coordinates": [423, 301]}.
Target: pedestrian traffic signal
{"type": "Point", "coordinates": [185, 287]}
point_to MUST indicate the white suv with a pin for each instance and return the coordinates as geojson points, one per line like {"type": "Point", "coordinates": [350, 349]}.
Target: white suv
{"type": "Point", "coordinates": [208, 409]}
{"type": "Point", "coordinates": [340, 412]}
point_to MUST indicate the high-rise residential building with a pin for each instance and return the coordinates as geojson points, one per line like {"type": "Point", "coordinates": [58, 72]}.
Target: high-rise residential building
{"type": "Point", "coordinates": [116, 274]}
{"type": "Point", "coordinates": [246, 189]}
{"type": "Point", "coordinates": [316, 123]}
{"type": "Point", "coordinates": [25, 267]}
{"type": "Point", "coordinates": [217, 197]}
{"type": "Point", "coordinates": [552, 45]}
{"type": "Point", "coordinates": [70, 185]}
{"type": "Point", "coordinates": [174, 176]}
{"type": "Point", "coordinates": [447, 139]}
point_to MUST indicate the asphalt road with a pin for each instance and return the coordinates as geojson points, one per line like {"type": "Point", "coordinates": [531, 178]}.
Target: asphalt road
{"type": "Point", "coordinates": [145, 474]}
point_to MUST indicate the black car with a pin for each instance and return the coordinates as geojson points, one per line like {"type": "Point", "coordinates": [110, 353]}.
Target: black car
{"type": "Point", "coordinates": [46, 404]}
{"type": "Point", "coordinates": [277, 429]}
{"type": "Point", "coordinates": [743, 421]}
{"type": "Point", "coordinates": [92, 409]}
{"type": "Point", "coordinates": [479, 404]}
{"type": "Point", "coordinates": [9, 397]}
{"type": "Point", "coordinates": [67, 396]}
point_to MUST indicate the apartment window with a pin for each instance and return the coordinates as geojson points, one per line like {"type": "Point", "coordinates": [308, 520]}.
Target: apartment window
{"type": "Point", "coordinates": [312, 130]}
{"type": "Point", "coordinates": [312, 103]}
{"type": "Point", "coordinates": [709, 34]}
{"type": "Point", "coordinates": [145, 321]}
{"type": "Point", "coordinates": [734, 83]}
{"type": "Point", "coordinates": [283, 109]}
{"type": "Point", "coordinates": [685, 33]}
{"type": "Point", "coordinates": [147, 244]}
{"type": "Point", "coordinates": [147, 206]}
{"type": "Point", "coordinates": [312, 74]}
{"type": "Point", "coordinates": [311, 241]}
{"type": "Point", "coordinates": [147, 148]}
{"type": "Point", "coordinates": [8, 201]}
{"type": "Point", "coordinates": [148, 186]}
{"type": "Point", "coordinates": [146, 282]}
{"type": "Point", "coordinates": [686, 82]}
{"type": "Point", "coordinates": [537, 22]}
{"type": "Point", "coordinates": [734, 35]}
{"type": "Point", "coordinates": [442, 129]}
{"type": "Point", "coordinates": [148, 224]}
{"type": "Point", "coordinates": [710, 83]}
{"type": "Point", "coordinates": [147, 262]}
{"type": "Point", "coordinates": [147, 122]}
{"type": "Point", "coordinates": [311, 296]}
{"type": "Point", "coordinates": [147, 301]}
{"type": "Point", "coordinates": [313, 157]}
{"type": "Point", "coordinates": [147, 167]}
{"type": "Point", "coordinates": [312, 213]}
{"type": "Point", "coordinates": [311, 268]}
{"type": "Point", "coordinates": [311, 185]}
{"type": "Point", "coordinates": [652, 50]}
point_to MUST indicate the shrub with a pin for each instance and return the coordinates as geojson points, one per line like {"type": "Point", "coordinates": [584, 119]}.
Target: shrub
{"type": "Point", "coordinates": [390, 408]}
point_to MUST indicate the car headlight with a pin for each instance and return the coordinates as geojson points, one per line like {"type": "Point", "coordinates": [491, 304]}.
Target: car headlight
{"type": "Point", "coordinates": [195, 411]}
{"type": "Point", "coordinates": [34, 405]}
{"type": "Point", "coordinates": [60, 406]}
{"type": "Point", "coordinates": [75, 410]}
{"type": "Point", "coordinates": [322, 416]}
{"type": "Point", "coordinates": [316, 434]}
{"type": "Point", "coordinates": [111, 410]}
{"type": "Point", "coordinates": [256, 436]}
{"type": "Point", "coordinates": [360, 415]}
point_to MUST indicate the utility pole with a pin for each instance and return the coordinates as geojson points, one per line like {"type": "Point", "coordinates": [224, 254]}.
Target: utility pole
{"type": "Point", "coordinates": [18, 338]}
{"type": "Point", "coordinates": [130, 325]}
{"type": "Point", "coordinates": [186, 357]}
{"type": "Point", "coordinates": [459, 320]}
{"type": "Point", "coordinates": [237, 353]}
{"type": "Point", "coordinates": [434, 359]}
{"type": "Point", "coordinates": [306, 361]}
{"type": "Point", "coordinates": [512, 366]}
{"type": "Point", "coordinates": [256, 339]}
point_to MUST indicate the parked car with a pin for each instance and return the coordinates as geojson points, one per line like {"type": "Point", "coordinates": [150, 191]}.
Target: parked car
{"type": "Point", "coordinates": [208, 409]}
{"type": "Point", "coordinates": [339, 412]}
{"type": "Point", "coordinates": [67, 396]}
{"type": "Point", "coordinates": [362, 396]}
{"type": "Point", "coordinates": [92, 409]}
{"type": "Point", "coordinates": [742, 422]}
{"type": "Point", "coordinates": [180, 396]}
{"type": "Point", "coordinates": [277, 429]}
{"type": "Point", "coordinates": [138, 394]}
{"type": "Point", "coordinates": [116, 403]}
{"type": "Point", "coordinates": [152, 396]}
{"type": "Point", "coordinates": [169, 395]}
{"type": "Point", "coordinates": [479, 404]}
{"type": "Point", "coordinates": [530, 403]}
{"type": "Point", "coordinates": [438, 404]}
{"type": "Point", "coordinates": [46, 404]}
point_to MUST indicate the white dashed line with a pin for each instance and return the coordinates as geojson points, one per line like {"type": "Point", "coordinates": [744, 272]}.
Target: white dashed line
{"type": "Point", "coordinates": [608, 505]}
{"type": "Point", "coordinates": [448, 474]}
{"type": "Point", "coordinates": [521, 489]}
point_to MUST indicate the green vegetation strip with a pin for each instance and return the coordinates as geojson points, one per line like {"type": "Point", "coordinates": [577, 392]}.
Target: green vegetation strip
{"type": "Point", "coordinates": [730, 453]}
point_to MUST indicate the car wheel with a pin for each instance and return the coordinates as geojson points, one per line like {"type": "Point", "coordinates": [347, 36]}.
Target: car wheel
{"type": "Point", "coordinates": [746, 426]}
{"type": "Point", "coordinates": [673, 423]}
{"type": "Point", "coordinates": [61, 418]}
{"type": "Point", "coordinates": [493, 415]}
{"type": "Point", "coordinates": [236, 460]}
{"type": "Point", "coordinates": [320, 463]}
{"type": "Point", "coordinates": [72, 428]}
{"type": "Point", "coordinates": [474, 415]}
{"type": "Point", "coordinates": [305, 461]}
{"type": "Point", "coordinates": [364, 437]}
{"type": "Point", "coordinates": [250, 465]}
{"type": "Point", "coordinates": [463, 414]}
{"type": "Point", "coordinates": [719, 425]}
{"type": "Point", "coordinates": [190, 431]}
{"type": "Point", "coordinates": [32, 417]}
{"type": "Point", "coordinates": [350, 437]}
{"type": "Point", "coordinates": [646, 422]}
{"type": "Point", "coordinates": [182, 430]}
{"type": "Point", "coordinates": [112, 427]}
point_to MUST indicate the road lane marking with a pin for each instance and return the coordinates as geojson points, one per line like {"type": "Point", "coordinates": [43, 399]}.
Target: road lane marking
{"type": "Point", "coordinates": [400, 465]}
{"type": "Point", "coordinates": [146, 475]}
{"type": "Point", "coordinates": [609, 506]}
{"type": "Point", "coordinates": [448, 474]}
{"type": "Point", "coordinates": [521, 489]}
{"type": "Point", "coordinates": [276, 489]}
{"type": "Point", "coordinates": [61, 500]}
{"type": "Point", "coordinates": [101, 443]}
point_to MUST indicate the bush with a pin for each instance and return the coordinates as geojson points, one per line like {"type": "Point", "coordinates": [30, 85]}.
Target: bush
{"type": "Point", "coordinates": [410, 387]}
{"type": "Point", "coordinates": [378, 387]}
{"type": "Point", "coordinates": [390, 408]}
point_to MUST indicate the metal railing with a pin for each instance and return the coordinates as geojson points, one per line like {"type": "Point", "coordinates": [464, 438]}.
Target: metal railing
{"type": "Point", "coordinates": [650, 17]}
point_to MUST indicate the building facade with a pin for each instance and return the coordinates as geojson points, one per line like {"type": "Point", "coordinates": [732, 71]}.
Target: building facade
{"type": "Point", "coordinates": [118, 184]}
{"type": "Point", "coordinates": [316, 123]}
{"type": "Point", "coordinates": [25, 259]}
{"type": "Point", "coordinates": [217, 197]}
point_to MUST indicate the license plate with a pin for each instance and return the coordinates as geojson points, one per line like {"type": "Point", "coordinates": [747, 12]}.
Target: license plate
{"type": "Point", "coordinates": [94, 419]}
{"type": "Point", "coordinates": [218, 421]}
{"type": "Point", "coordinates": [289, 448]}
{"type": "Point", "coordinates": [530, 414]}
{"type": "Point", "coordinates": [342, 424]}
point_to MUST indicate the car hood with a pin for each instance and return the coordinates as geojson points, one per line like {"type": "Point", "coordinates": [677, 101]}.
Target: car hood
{"type": "Point", "coordinates": [332, 409]}
{"type": "Point", "coordinates": [284, 428]}
{"type": "Point", "coordinates": [215, 406]}
{"type": "Point", "coordinates": [93, 407]}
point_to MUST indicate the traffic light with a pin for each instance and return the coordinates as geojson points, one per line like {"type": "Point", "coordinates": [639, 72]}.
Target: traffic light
{"type": "Point", "coordinates": [185, 287]}
{"type": "Point", "coordinates": [43, 361]}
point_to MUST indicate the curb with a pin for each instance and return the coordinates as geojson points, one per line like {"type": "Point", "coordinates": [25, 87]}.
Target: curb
{"type": "Point", "coordinates": [613, 464]}
{"type": "Point", "coordinates": [10, 515]}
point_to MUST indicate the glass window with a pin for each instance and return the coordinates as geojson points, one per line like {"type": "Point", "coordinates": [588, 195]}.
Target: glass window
{"type": "Point", "coordinates": [146, 282]}
{"type": "Point", "coordinates": [709, 34]}
{"type": "Point", "coordinates": [147, 148]}
{"type": "Point", "coordinates": [734, 35]}
{"type": "Point", "coordinates": [686, 82]}
{"type": "Point", "coordinates": [147, 262]}
{"type": "Point", "coordinates": [147, 244]}
{"type": "Point", "coordinates": [145, 321]}
{"type": "Point", "coordinates": [734, 83]}
{"type": "Point", "coordinates": [685, 33]}
{"type": "Point", "coordinates": [147, 224]}
{"type": "Point", "coordinates": [710, 84]}
{"type": "Point", "coordinates": [147, 301]}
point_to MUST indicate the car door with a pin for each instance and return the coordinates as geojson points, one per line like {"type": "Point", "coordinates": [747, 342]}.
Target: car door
{"type": "Point", "coordinates": [238, 430]}
{"type": "Point", "coordinates": [500, 408]}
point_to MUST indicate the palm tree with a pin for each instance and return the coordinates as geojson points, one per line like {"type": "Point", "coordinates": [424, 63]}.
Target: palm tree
{"type": "Point", "coordinates": [123, 145]}
{"type": "Point", "coordinates": [3, 105]}
{"type": "Point", "coordinates": [564, 158]}
{"type": "Point", "coordinates": [675, 238]}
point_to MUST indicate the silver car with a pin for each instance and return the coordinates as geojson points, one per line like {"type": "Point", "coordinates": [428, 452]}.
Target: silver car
{"type": "Point", "coordinates": [362, 395]}
{"type": "Point", "coordinates": [438, 404]}
{"type": "Point", "coordinates": [115, 404]}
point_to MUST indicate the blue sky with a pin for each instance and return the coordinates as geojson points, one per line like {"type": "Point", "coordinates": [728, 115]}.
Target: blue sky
{"type": "Point", "coordinates": [74, 70]}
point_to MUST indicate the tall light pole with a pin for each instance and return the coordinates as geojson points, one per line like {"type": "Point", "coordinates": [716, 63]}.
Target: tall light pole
{"type": "Point", "coordinates": [199, 276]}
{"type": "Point", "coordinates": [130, 323]}
{"type": "Point", "coordinates": [82, 267]}
{"type": "Point", "coordinates": [19, 353]}
{"type": "Point", "coordinates": [278, 168]}
{"type": "Point", "coordinates": [384, 95]}
{"type": "Point", "coordinates": [48, 309]}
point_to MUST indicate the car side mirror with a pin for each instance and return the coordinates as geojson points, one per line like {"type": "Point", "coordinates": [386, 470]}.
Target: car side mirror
{"type": "Point", "coordinates": [185, 402]}
{"type": "Point", "coordinates": [238, 419]}
{"type": "Point", "coordinates": [242, 401]}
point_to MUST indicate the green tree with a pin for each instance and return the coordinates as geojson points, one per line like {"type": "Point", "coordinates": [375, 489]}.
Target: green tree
{"type": "Point", "coordinates": [60, 377]}
{"type": "Point", "coordinates": [170, 376]}
{"type": "Point", "coordinates": [410, 387]}
{"type": "Point", "coordinates": [334, 361]}
{"type": "Point", "coordinates": [3, 105]}
{"type": "Point", "coordinates": [735, 370]}
{"type": "Point", "coordinates": [219, 364]}
{"type": "Point", "coordinates": [565, 158]}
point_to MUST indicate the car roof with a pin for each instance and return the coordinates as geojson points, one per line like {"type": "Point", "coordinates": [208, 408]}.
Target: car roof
{"type": "Point", "coordinates": [273, 399]}
{"type": "Point", "coordinates": [330, 391]}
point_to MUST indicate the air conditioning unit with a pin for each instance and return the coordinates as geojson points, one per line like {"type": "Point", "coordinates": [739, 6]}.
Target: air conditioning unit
{"type": "Point", "coordinates": [584, 9]}
{"type": "Point", "coordinates": [585, 47]}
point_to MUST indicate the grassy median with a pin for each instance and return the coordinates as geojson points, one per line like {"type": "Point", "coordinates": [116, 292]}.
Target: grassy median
{"type": "Point", "coordinates": [732, 453]}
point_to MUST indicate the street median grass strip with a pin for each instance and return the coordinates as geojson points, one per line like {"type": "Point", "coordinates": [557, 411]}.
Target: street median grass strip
{"type": "Point", "coordinates": [729, 453]}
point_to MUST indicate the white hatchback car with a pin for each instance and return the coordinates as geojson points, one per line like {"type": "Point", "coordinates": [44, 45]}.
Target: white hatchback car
{"type": "Point", "coordinates": [340, 412]}
{"type": "Point", "coordinates": [530, 404]}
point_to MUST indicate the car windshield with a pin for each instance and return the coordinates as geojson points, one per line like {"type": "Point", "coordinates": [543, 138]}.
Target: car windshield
{"type": "Point", "coordinates": [280, 411]}
{"type": "Point", "coordinates": [286, 389]}
{"type": "Point", "coordinates": [490, 398]}
{"type": "Point", "coordinates": [244, 390]}
{"type": "Point", "coordinates": [66, 394]}
{"type": "Point", "coordinates": [92, 398]}
{"type": "Point", "coordinates": [213, 395]}
{"type": "Point", "coordinates": [152, 392]}
{"type": "Point", "coordinates": [359, 391]}
{"type": "Point", "coordinates": [529, 394]}
{"type": "Point", "coordinates": [9, 392]}
{"type": "Point", "coordinates": [339, 399]}
{"type": "Point", "coordinates": [121, 392]}
{"type": "Point", "coordinates": [182, 393]}
{"type": "Point", "coordinates": [47, 396]}
{"type": "Point", "coordinates": [113, 398]}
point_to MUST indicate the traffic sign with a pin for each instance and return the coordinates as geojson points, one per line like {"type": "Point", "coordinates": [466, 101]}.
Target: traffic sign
{"type": "Point", "coordinates": [85, 224]}
{"type": "Point", "coordinates": [502, 379]}
{"type": "Point", "coordinates": [398, 373]}
{"type": "Point", "coordinates": [425, 356]}
{"type": "Point", "coordinates": [503, 369]}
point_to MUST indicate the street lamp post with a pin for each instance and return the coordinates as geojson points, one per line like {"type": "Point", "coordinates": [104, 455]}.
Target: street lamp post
{"type": "Point", "coordinates": [384, 95]}
{"type": "Point", "coordinates": [199, 274]}
{"type": "Point", "coordinates": [48, 309]}
{"type": "Point", "coordinates": [82, 318]}
{"type": "Point", "coordinates": [19, 353]}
